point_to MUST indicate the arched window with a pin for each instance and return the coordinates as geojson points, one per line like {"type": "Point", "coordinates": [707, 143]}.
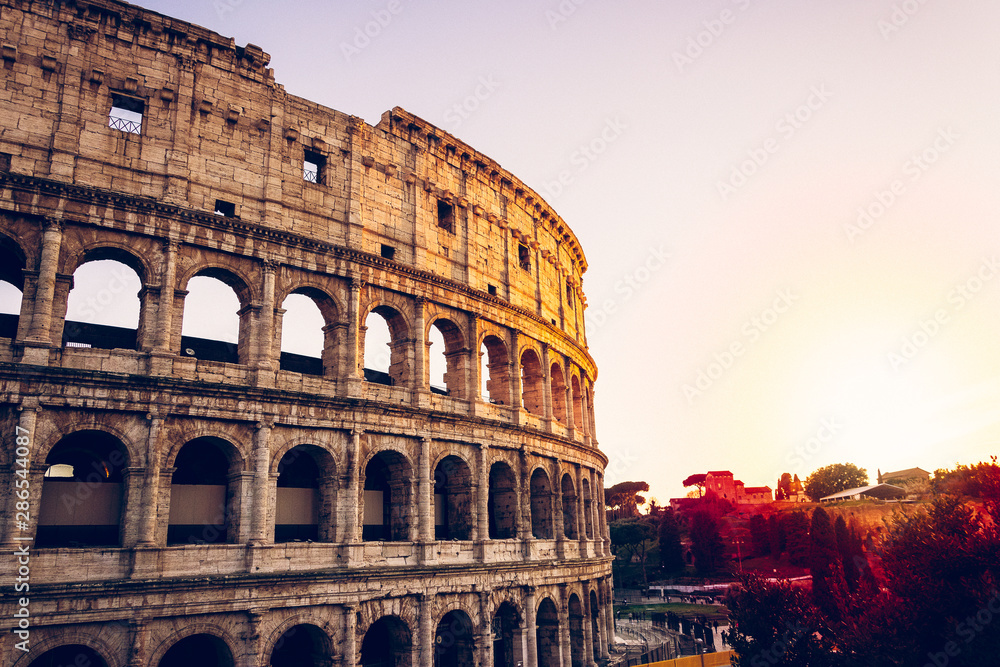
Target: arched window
{"type": "Point", "coordinates": [302, 335]}
{"type": "Point", "coordinates": [69, 654]}
{"type": "Point", "coordinates": [558, 393]}
{"type": "Point", "coordinates": [103, 308]}
{"type": "Point", "coordinates": [454, 641]}
{"type": "Point", "coordinates": [385, 345]}
{"type": "Point", "coordinates": [203, 496]}
{"type": "Point", "coordinates": [452, 500]}
{"type": "Point", "coordinates": [541, 505]}
{"type": "Point", "coordinates": [387, 498]}
{"type": "Point", "coordinates": [569, 507]}
{"type": "Point", "coordinates": [212, 311]}
{"type": "Point", "coordinates": [547, 634]}
{"type": "Point", "coordinates": [578, 422]}
{"type": "Point", "coordinates": [496, 377]}
{"type": "Point", "coordinates": [387, 643]}
{"type": "Point", "coordinates": [303, 645]}
{"type": "Point", "coordinates": [305, 498]}
{"type": "Point", "coordinates": [448, 358]}
{"type": "Point", "coordinates": [576, 638]}
{"type": "Point", "coordinates": [595, 619]}
{"type": "Point", "coordinates": [83, 492]}
{"type": "Point", "coordinates": [532, 398]}
{"type": "Point", "coordinates": [12, 263]}
{"type": "Point", "coordinates": [502, 502]}
{"type": "Point", "coordinates": [588, 510]}
{"type": "Point", "coordinates": [507, 645]}
{"type": "Point", "coordinates": [203, 650]}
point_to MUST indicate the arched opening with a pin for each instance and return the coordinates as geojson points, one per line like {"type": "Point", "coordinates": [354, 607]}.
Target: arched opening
{"type": "Point", "coordinates": [532, 398]}
{"type": "Point", "coordinates": [203, 493]}
{"type": "Point", "coordinates": [303, 645]}
{"type": "Point", "coordinates": [595, 619]}
{"type": "Point", "coordinates": [577, 405]}
{"type": "Point", "coordinates": [569, 507]}
{"type": "Point", "coordinates": [203, 650]}
{"type": "Point", "coordinates": [103, 308]}
{"type": "Point", "coordinates": [454, 641]}
{"type": "Point", "coordinates": [558, 393]}
{"type": "Point", "coordinates": [83, 492]}
{"type": "Point", "coordinates": [387, 498]}
{"type": "Point", "coordinates": [541, 505]}
{"type": "Point", "coordinates": [502, 502]}
{"type": "Point", "coordinates": [452, 500]}
{"type": "Point", "coordinates": [385, 345]}
{"type": "Point", "coordinates": [588, 510]}
{"type": "Point", "coordinates": [448, 366]}
{"type": "Point", "coordinates": [508, 650]}
{"type": "Point", "coordinates": [547, 634]}
{"type": "Point", "coordinates": [576, 638]}
{"type": "Point", "coordinates": [496, 379]}
{"type": "Point", "coordinates": [386, 644]}
{"type": "Point", "coordinates": [305, 496]}
{"type": "Point", "coordinates": [12, 264]}
{"type": "Point", "coordinates": [212, 328]}
{"type": "Point", "coordinates": [302, 335]}
{"type": "Point", "coordinates": [69, 655]}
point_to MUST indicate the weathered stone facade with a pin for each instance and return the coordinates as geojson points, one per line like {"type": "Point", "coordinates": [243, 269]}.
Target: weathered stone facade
{"type": "Point", "coordinates": [189, 502]}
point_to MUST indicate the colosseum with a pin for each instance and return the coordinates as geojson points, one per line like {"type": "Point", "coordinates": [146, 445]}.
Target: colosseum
{"type": "Point", "coordinates": [170, 498]}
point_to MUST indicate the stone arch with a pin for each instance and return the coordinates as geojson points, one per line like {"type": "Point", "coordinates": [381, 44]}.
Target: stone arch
{"type": "Point", "coordinates": [233, 276]}
{"type": "Point", "coordinates": [506, 633]}
{"type": "Point", "coordinates": [496, 378]}
{"type": "Point", "coordinates": [578, 422]}
{"type": "Point", "coordinates": [541, 504]}
{"type": "Point", "coordinates": [305, 495]}
{"type": "Point", "coordinates": [66, 654]}
{"type": "Point", "coordinates": [214, 349]}
{"type": "Point", "coordinates": [13, 262]}
{"type": "Point", "coordinates": [387, 641]}
{"type": "Point", "coordinates": [577, 647]}
{"type": "Point", "coordinates": [453, 500]}
{"type": "Point", "coordinates": [547, 633]}
{"type": "Point", "coordinates": [557, 385]}
{"type": "Point", "coordinates": [532, 377]}
{"type": "Point", "coordinates": [92, 310]}
{"type": "Point", "coordinates": [236, 436]}
{"type": "Point", "coordinates": [569, 508]}
{"type": "Point", "coordinates": [454, 640]}
{"type": "Point", "coordinates": [400, 350]}
{"type": "Point", "coordinates": [588, 509]}
{"type": "Point", "coordinates": [595, 620]}
{"type": "Point", "coordinates": [329, 309]}
{"type": "Point", "coordinates": [84, 492]}
{"type": "Point", "coordinates": [50, 432]}
{"type": "Point", "coordinates": [202, 644]}
{"type": "Point", "coordinates": [502, 501]}
{"type": "Point", "coordinates": [455, 352]}
{"type": "Point", "coordinates": [299, 644]}
{"type": "Point", "coordinates": [387, 483]}
{"type": "Point", "coordinates": [205, 493]}
{"type": "Point", "coordinates": [113, 250]}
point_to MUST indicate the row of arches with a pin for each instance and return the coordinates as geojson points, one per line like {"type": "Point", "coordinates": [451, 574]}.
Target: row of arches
{"type": "Point", "coordinates": [94, 493]}
{"type": "Point", "coordinates": [545, 636]}
{"type": "Point", "coordinates": [110, 302]}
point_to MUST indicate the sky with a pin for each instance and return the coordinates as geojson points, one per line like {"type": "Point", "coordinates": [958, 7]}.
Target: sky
{"type": "Point", "coordinates": [789, 208]}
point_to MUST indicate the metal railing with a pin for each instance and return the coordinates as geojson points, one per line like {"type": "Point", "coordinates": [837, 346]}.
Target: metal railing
{"type": "Point", "coordinates": [125, 125]}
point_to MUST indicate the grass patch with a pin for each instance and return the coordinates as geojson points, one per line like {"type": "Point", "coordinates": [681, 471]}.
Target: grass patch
{"type": "Point", "coordinates": [713, 612]}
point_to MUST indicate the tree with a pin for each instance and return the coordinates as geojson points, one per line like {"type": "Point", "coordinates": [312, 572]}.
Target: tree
{"type": "Point", "coordinates": [759, 539]}
{"type": "Point", "coordinates": [633, 538]}
{"type": "Point", "coordinates": [697, 480]}
{"type": "Point", "coordinates": [671, 551]}
{"type": "Point", "coordinates": [623, 499]}
{"type": "Point", "coordinates": [784, 487]}
{"type": "Point", "coordinates": [775, 536]}
{"type": "Point", "coordinates": [706, 542]}
{"type": "Point", "coordinates": [834, 478]}
{"type": "Point", "coordinates": [796, 528]}
{"type": "Point", "coordinates": [828, 586]}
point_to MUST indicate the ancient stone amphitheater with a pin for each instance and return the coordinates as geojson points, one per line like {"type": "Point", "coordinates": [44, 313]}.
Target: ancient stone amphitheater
{"type": "Point", "coordinates": [170, 498]}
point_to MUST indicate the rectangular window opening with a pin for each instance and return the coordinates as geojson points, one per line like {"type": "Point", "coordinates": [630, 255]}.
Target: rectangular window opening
{"type": "Point", "coordinates": [569, 295]}
{"type": "Point", "coordinates": [446, 216]}
{"type": "Point", "coordinates": [492, 289]}
{"type": "Point", "coordinates": [126, 113]}
{"type": "Point", "coordinates": [313, 167]}
{"type": "Point", "coordinates": [226, 208]}
{"type": "Point", "coordinates": [524, 257]}
{"type": "Point", "coordinates": [388, 251]}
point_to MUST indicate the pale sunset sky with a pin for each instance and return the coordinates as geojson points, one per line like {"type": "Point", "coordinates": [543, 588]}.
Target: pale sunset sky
{"type": "Point", "coordinates": [791, 210]}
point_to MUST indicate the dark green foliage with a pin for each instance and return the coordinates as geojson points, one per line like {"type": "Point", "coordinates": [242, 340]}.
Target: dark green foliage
{"type": "Point", "coordinates": [671, 552]}
{"type": "Point", "coordinates": [697, 480]}
{"type": "Point", "coordinates": [623, 499]}
{"type": "Point", "coordinates": [796, 528]}
{"type": "Point", "coordinates": [829, 589]}
{"type": "Point", "coordinates": [760, 542]}
{"type": "Point", "coordinates": [775, 536]}
{"type": "Point", "coordinates": [706, 543]}
{"type": "Point", "coordinates": [632, 539]}
{"type": "Point", "coordinates": [833, 478]}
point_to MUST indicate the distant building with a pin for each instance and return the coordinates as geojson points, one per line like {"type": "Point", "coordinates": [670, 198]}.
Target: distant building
{"type": "Point", "coordinates": [721, 482]}
{"type": "Point", "coordinates": [909, 473]}
{"type": "Point", "coordinates": [876, 491]}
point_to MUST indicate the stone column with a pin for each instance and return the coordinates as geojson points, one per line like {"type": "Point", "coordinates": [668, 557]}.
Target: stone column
{"type": "Point", "coordinates": [588, 630]}
{"type": "Point", "coordinates": [41, 316]}
{"type": "Point", "coordinates": [425, 501]}
{"type": "Point", "coordinates": [514, 375]}
{"type": "Point", "coordinates": [579, 510]}
{"type": "Point", "coordinates": [261, 478]}
{"type": "Point", "coordinates": [609, 612]}
{"type": "Point", "coordinates": [565, 650]}
{"type": "Point", "coordinates": [484, 639]}
{"type": "Point", "coordinates": [482, 526]}
{"type": "Point", "coordinates": [348, 657]}
{"type": "Point", "coordinates": [139, 636]}
{"type": "Point", "coordinates": [150, 488]}
{"type": "Point", "coordinates": [524, 524]}
{"type": "Point", "coordinates": [24, 436]}
{"type": "Point", "coordinates": [421, 379]}
{"type": "Point", "coordinates": [531, 627]}
{"type": "Point", "coordinates": [474, 374]}
{"type": "Point", "coordinates": [354, 358]}
{"type": "Point", "coordinates": [425, 637]}
{"type": "Point", "coordinates": [350, 499]}
{"type": "Point", "coordinates": [558, 518]}
{"type": "Point", "coordinates": [548, 414]}
{"type": "Point", "coordinates": [602, 632]}
{"type": "Point", "coordinates": [570, 405]}
{"type": "Point", "coordinates": [133, 481]}
{"type": "Point", "coordinates": [165, 307]}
